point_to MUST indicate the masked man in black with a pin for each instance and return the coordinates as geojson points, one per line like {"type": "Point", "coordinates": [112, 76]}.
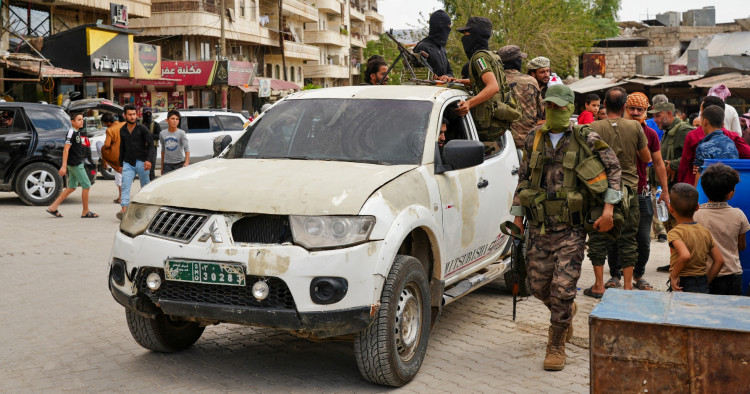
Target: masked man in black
{"type": "Point", "coordinates": [155, 130]}
{"type": "Point", "coordinates": [434, 46]}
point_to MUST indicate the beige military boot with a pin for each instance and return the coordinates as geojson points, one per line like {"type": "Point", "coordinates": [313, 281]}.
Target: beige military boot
{"type": "Point", "coordinates": [555, 360]}
{"type": "Point", "coordinates": [569, 334]}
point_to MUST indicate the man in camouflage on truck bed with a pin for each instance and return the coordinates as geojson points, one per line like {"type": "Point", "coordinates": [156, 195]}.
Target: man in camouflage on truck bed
{"type": "Point", "coordinates": [557, 237]}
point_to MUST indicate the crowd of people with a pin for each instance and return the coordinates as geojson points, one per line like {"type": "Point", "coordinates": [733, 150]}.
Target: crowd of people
{"type": "Point", "coordinates": [129, 149]}
{"type": "Point", "coordinates": [591, 185]}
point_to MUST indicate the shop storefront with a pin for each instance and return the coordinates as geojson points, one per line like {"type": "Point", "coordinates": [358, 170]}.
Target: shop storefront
{"type": "Point", "coordinates": [99, 52]}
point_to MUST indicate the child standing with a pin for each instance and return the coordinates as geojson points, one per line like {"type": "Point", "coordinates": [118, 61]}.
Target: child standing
{"type": "Point", "coordinates": [592, 109]}
{"type": "Point", "coordinates": [175, 152]}
{"type": "Point", "coordinates": [727, 226]}
{"type": "Point", "coordinates": [690, 244]}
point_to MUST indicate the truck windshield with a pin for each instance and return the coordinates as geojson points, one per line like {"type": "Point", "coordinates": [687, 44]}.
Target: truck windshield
{"type": "Point", "coordinates": [359, 130]}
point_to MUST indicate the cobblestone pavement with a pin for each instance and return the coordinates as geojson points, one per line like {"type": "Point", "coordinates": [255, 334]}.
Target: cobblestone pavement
{"type": "Point", "coordinates": [62, 331]}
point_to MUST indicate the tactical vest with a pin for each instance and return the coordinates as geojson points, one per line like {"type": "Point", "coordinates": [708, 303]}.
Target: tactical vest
{"type": "Point", "coordinates": [584, 179]}
{"type": "Point", "coordinates": [497, 113]}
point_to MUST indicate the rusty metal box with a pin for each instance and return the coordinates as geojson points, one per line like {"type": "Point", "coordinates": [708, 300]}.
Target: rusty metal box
{"type": "Point", "coordinates": [648, 341]}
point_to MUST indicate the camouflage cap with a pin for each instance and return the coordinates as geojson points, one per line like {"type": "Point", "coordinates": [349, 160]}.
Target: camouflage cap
{"type": "Point", "coordinates": [661, 107]}
{"type": "Point", "coordinates": [560, 95]}
{"type": "Point", "coordinates": [537, 63]}
{"type": "Point", "coordinates": [510, 52]}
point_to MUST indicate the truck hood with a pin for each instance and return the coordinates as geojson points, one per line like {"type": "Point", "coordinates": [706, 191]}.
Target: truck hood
{"type": "Point", "coordinates": [271, 186]}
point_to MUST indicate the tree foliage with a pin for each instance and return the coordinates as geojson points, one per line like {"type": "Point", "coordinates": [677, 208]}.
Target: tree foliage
{"type": "Point", "coordinates": [559, 30]}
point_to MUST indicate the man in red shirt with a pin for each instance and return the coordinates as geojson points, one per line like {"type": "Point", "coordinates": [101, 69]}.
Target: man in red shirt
{"type": "Point", "coordinates": [694, 137]}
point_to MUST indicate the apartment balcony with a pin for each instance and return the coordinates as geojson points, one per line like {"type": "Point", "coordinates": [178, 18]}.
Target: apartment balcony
{"type": "Point", "coordinates": [332, 7]}
{"type": "Point", "coordinates": [185, 6]}
{"type": "Point", "coordinates": [325, 37]}
{"type": "Point", "coordinates": [295, 50]}
{"type": "Point", "coordinates": [375, 36]}
{"type": "Point", "coordinates": [373, 14]}
{"type": "Point", "coordinates": [306, 12]}
{"type": "Point", "coordinates": [325, 71]}
{"type": "Point", "coordinates": [356, 15]}
{"type": "Point", "coordinates": [358, 41]}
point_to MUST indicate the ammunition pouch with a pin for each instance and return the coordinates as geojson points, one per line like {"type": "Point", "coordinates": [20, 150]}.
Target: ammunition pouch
{"type": "Point", "coordinates": [591, 173]}
{"type": "Point", "coordinates": [573, 211]}
{"type": "Point", "coordinates": [533, 207]}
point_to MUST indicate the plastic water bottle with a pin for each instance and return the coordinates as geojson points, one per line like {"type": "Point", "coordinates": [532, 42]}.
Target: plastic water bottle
{"type": "Point", "coordinates": [661, 207]}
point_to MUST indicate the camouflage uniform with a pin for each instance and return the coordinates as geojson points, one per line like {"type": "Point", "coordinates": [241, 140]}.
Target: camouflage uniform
{"type": "Point", "coordinates": [488, 128]}
{"type": "Point", "coordinates": [526, 89]}
{"type": "Point", "coordinates": [554, 258]}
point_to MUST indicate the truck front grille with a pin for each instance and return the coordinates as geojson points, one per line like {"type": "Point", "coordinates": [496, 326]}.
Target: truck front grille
{"type": "Point", "coordinates": [177, 225]}
{"type": "Point", "coordinates": [279, 296]}
{"type": "Point", "coordinates": [263, 229]}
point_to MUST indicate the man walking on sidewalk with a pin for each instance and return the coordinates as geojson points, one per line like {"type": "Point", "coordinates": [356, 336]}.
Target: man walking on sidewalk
{"type": "Point", "coordinates": [136, 146]}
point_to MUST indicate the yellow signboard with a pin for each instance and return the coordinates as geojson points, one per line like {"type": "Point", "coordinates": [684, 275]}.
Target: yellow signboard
{"type": "Point", "coordinates": [146, 61]}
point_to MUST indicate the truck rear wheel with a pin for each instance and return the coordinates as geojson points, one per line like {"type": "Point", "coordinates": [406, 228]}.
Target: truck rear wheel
{"type": "Point", "coordinates": [390, 351]}
{"type": "Point", "coordinates": [163, 334]}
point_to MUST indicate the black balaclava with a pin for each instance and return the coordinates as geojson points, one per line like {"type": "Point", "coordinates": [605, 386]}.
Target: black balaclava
{"type": "Point", "coordinates": [465, 71]}
{"type": "Point", "coordinates": [440, 27]}
{"type": "Point", "coordinates": [147, 118]}
{"type": "Point", "coordinates": [514, 64]}
{"type": "Point", "coordinates": [475, 41]}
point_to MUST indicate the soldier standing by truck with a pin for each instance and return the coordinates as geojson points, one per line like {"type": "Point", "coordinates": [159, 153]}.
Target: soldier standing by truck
{"type": "Point", "coordinates": [557, 205]}
{"type": "Point", "coordinates": [492, 107]}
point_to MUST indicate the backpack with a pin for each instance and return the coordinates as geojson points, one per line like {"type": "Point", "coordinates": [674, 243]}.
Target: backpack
{"type": "Point", "coordinates": [503, 108]}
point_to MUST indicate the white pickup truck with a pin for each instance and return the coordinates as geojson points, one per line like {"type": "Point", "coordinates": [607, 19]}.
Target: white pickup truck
{"type": "Point", "coordinates": [337, 212]}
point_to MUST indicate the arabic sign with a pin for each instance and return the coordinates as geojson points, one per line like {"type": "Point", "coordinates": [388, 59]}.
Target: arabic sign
{"type": "Point", "coordinates": [240, 73]}
{"type": "Point", "coordinates": [109, 53]}
{"type": "Point", "coordinates": [189, 73]}
{"type": "Point", "coordinates": [146, 61]}
{"type": "Point", "coordinates": [118, 14]}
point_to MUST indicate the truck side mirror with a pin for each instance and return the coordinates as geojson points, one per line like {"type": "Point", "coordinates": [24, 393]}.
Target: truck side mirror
{"type": "Point", "coordinates": [458, 154]}
{"type": "Point", "coordinates": [220, 143]}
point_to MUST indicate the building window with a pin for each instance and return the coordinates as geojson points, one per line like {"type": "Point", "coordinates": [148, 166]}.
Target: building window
{"type": "Point", "coordinates": [278, 71]}
{"type": "Point", "coordinates": [299, 74]}
{"type": "Point", "coordinates": [291, 73]}
{"type": "Point", "coordinates": [242, 8]}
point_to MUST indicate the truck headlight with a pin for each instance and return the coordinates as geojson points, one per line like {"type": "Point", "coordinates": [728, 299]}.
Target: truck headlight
{"type": "Point", "coordinates": [137, 218]}
{"type": "Point", "coordinates": [316, 232]}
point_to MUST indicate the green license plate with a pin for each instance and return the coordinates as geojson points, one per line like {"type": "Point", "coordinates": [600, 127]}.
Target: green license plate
{"type": "Point", "coordinates": [205, 272]}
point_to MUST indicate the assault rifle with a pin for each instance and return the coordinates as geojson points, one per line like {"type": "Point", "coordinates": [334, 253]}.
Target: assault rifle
{"type": "Point", "coordinates": [412, 60]}
{"type": "Point", "coordinates": [517, 260]}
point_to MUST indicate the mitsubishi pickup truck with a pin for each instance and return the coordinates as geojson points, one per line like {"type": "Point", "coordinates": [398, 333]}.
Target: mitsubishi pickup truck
{"type": "Point", "coordinates": [339, 212]}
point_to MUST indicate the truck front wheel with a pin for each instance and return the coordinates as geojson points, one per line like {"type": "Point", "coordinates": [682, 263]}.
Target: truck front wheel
{"type": "Point", "coordinates": [391, 350]}
{"type": "Point", "coordinates": [162, 334]}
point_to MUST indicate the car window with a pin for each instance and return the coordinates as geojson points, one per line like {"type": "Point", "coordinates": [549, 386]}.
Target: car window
{"type": "Point", "coordinates": [48, 120]}
{"type": "Point", "coordinates": [7, 118]}
{"type": "Point", "coordinates": [229, 122]}
{"type": "Point", "coordinates": [202, 124]}
{"type": "Point", "coordinates": [363, 130]}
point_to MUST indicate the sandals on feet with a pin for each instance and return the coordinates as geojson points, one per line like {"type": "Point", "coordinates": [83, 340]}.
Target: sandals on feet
{"type": "Point", "coordinates": [612, 283]}
{"type": "Point", "coordinates": [591, 293]}
{"type": "Point", "coordinates": [55, 213]}
{"type": "Point", "coordinates": [89, 215]}
{"type": "Point", "coordinates": [642, 284]}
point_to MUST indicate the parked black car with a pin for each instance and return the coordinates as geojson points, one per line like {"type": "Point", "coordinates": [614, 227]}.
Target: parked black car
{"type": "Point", "coordinates": [32, 138]}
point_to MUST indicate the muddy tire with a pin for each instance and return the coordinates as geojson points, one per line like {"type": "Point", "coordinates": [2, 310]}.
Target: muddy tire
{"type": "Point", "coordinates": [39, 184]}
{"type": "Point", "coordinates": [162, 334]}
{"type": "Point", "coordinates": [392, 349]}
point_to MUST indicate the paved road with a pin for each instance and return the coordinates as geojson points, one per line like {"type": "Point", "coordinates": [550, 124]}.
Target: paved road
{"type": "Point", "coordinates": [62, 331]}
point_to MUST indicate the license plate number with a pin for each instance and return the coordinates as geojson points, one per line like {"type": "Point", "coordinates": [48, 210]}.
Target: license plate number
{"type": "Point", "coordinates": [205, 272]}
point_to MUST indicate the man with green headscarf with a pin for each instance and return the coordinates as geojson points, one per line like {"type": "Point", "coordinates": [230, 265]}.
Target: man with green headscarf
{"type": "Point", "coordinates": [549, 195]}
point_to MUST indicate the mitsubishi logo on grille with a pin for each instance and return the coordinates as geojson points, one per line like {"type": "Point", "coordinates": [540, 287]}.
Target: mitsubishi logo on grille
{"type": "Point", "coordinates": [211, 233]}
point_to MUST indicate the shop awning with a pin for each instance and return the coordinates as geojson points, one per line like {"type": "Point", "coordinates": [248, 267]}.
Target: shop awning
{"type": "Point", "coordinates": [57, 72]}
{"type": "Point", "coordinates": [593, 84]}
{"type": "Point", "coordinates": [277, 84]}
{"type": "Point", "coordinates": [23, 63]}
{"type": "Point", "coordinates": [247, 88]}
{"type": "Point", "coordinates": [648, 80]}
{"type": "Point", "coordinates": [731, 80]}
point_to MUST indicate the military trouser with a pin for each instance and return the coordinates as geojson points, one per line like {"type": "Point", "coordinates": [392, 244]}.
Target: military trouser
{"type": "Point", "coordinates": [627, 246]}
{"type": "Point", "coordinates": [554, 266]}
{"type": "Point", "coordinates": [643, 239]}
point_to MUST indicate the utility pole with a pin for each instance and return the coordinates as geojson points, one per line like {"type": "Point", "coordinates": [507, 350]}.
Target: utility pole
{"type": "Point", "coordinates": [223, 53]}
{"type": "Point", "coordinates": [281, 40]}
